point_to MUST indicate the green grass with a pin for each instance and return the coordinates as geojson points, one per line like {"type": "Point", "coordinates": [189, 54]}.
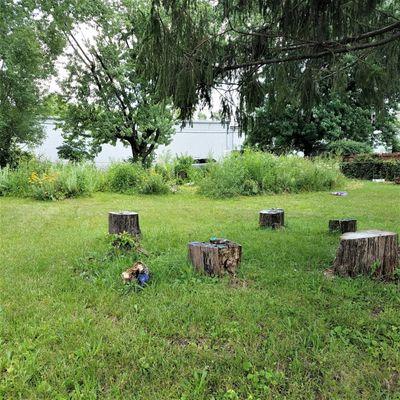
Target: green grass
{"type": "Point", "coordinates": [69, 329]}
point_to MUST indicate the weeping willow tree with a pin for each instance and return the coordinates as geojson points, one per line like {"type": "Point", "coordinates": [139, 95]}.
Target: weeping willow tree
{"type": "Point", "coordinates": [272, 49]}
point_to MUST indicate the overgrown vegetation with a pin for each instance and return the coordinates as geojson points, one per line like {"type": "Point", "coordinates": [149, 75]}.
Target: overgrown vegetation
{"type": "Point", "coordinates": [43, 180]}
{"type": "Point", "coordinates": [372, 167]}
{"type": "Point", "coordinates": [70, 329]}
{"type": "Point", "coordinates": [254, 173]}
{"type": "Point", "coordinates": [250, 173]}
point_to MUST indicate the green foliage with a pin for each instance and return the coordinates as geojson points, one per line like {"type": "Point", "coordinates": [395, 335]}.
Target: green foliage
{"type": "Point", "coordinates": [183, 168]}
{"type": "Point", "coordinates": [371, 167]}
{"type": "Point", "coordinates": [78, 150]}
{"type": "Point", "coordinates": [348, 147]}
{"type": "Point", "coordinates": [106, 97]}
{"type": "Point", "coordinates": [153, 183]}
{"type": "Point", "coordinates": [124, 177]}
{"type": "Point", "coordinates": [29, 44]}
{"type": "Point", "coordinates": [338, 125]}
{"type": "Point", "coordinates": [130, 178]}
{"type": "Point", "coordinates": [124, 242]}
{"type": "Point", "coordinates": [254, 173]}
{"type": "Point", "coordinates": [43, 180]}
{"type": "Point", "coordinates": [71, 329]}
{"type": "Point", "coordinates": [272, 49]}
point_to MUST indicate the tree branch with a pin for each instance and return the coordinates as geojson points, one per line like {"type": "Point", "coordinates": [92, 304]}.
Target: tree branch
{"type": "Point", "coordinates": [300, 57]}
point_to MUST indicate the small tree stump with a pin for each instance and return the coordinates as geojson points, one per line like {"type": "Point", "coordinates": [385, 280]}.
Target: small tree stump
{"type": "Point", "coordinates": [343, 225]}
{"type": "Point", "coordinates": [216, 258]}
{"type": "Point", "coordinates": [273, 218]}
{"type": "Point", "coordinates": [373, 253]}
{"type": "Point", "coordinates": [125, 221]}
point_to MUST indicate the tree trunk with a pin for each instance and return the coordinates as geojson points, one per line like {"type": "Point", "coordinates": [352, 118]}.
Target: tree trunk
{"type": "Point", "coordinates": [273, 218]}
{"type": "Point", "coordinates": [125, 221]}
{"type": "Point", "coordinates": [216, 258]}
{"type": "Point", "coordinates": [372, 253]}
{"type": "Point", "coordinates": [343, 225]}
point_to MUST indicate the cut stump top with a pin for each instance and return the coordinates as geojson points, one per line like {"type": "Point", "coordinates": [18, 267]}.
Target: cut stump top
{"type": "Point", "coordinates": [272, 211]}
{"type": "Point", "coordinates": [123, 213]}
{"type": "Point", "coordinates": [365, 234]}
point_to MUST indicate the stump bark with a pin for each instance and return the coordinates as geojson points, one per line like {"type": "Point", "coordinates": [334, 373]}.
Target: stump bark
{"type": "Point", "coordinates": [342, 225]}
{"type": "Point", "coordinates": [372, 253]}
{"type": "Point", "coordinates": [125, 221]}
{"type": "Point", "coordinates": [273, 218]}
{"type": "Point", "coordinates": [216, 258]}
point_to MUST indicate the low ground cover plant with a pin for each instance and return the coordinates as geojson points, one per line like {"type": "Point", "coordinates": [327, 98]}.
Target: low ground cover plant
{"type": "Point", "coordinates": [70, 328]}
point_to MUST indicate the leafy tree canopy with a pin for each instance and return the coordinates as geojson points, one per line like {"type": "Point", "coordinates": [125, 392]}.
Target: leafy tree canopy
{"type": "Point", "coordinates": [106, 96]}
{"type": "Point", "coordinates": [272, 48]}
{"type": "Point", "coordinates": [29, 44]}
{"type": "Point", "coordinates": [337, 125]}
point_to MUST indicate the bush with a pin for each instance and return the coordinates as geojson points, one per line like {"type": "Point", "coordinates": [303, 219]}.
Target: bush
{"type": "Point", "coordinates": [124, 177]}
{"type": "Point", "coordinates": [348, 147]}
{"type": "Point", "coordinates": [134, 178]}
{"type": "Point", "coordinates": [371, 167]}
{"type": "Point", "coordinates": [15, 181]}
{"type": "Point", "coordinates": [153, 183]}
{"type": "Point", "coordinates": [45, 181]}
{"type": "Point", "coordinates": [254, 173]}
{"type": "Point", "coordinates": [183, 168]}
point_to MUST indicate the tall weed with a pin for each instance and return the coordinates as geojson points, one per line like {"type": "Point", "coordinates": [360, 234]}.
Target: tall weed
{"type": "Point", "coordinates": [254, 173]}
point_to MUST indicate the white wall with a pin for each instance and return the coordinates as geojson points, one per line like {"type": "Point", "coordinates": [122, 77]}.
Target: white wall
{"type": "Point", "coordinates": [201, 140]}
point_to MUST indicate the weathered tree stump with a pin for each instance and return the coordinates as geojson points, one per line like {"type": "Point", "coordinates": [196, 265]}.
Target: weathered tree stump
{"type": "Point", "coordinates": [124, 221]}
{"type": "Point", "coordinates": [273, 218]}
{"type": "Point", "coordinates": [216, 258]}
{"type": "Point", "coordinates": [342, 225]}
{"type": "Point", "coordinates": [372, 253]}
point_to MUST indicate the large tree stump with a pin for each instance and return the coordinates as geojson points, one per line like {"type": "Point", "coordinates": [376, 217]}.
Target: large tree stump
{"type": "Point", "coordinates": [125, 221]}
{"type": "Point", "coordinates": [342, 225]}
{"type": "Point", "coordinates": [273, 218]}
{"type": "Point", "coordinates": [216, 258]}
{"type": "Point", "coordinates": [373, 253]}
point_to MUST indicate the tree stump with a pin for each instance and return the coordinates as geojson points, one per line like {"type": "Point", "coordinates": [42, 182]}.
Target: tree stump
{"type": "Point", "coordinates": [343, 225]}
{"type": "Point", "coordinates": [372, 253]}
{"type": "Point", "coordinates": [125, 221]}
{"type": "Point", "coordinates": [216, 258]}
{"type": "Point", "coordinates": [273, 218]}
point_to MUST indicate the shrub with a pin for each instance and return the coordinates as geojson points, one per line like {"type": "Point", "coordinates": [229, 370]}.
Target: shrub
{"type": "Point", "coordinates": [15, 181]}
{"type": "Point", "coordinates": [45, 181]}
{"type": "Point", "coordinates": [124, 177]}
{"type": "Point", "coordinates": [371, 167]}
{"type": "Point", "coordinates": [254, 173]}
{"type": "Point", "coordinates": [153, 183]}
{"type": "Point", "coordinates": [349, 147]}
{"type": "Point", "coordinates": [183, 168]}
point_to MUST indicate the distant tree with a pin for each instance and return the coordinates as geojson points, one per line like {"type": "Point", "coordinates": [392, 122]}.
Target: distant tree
{"type": "Point", "coordinates": [29, 44]}
{"type": "Point", "coordinates": [107, 99]}
{"type": "Point", "coordinates": [78, 149]}
{"type": "Point", "coordinates": [337, 125]}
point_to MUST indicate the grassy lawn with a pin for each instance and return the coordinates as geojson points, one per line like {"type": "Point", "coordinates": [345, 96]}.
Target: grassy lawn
{"type": "Point", "coordinates": [69, 329]}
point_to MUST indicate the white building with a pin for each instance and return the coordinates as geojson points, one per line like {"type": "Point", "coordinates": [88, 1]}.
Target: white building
{"type": "Point", "coordinates": [200, 140]}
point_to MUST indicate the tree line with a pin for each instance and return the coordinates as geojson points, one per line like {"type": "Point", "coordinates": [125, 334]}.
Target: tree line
{"type": "Point", "coordinates": [312, 76]}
